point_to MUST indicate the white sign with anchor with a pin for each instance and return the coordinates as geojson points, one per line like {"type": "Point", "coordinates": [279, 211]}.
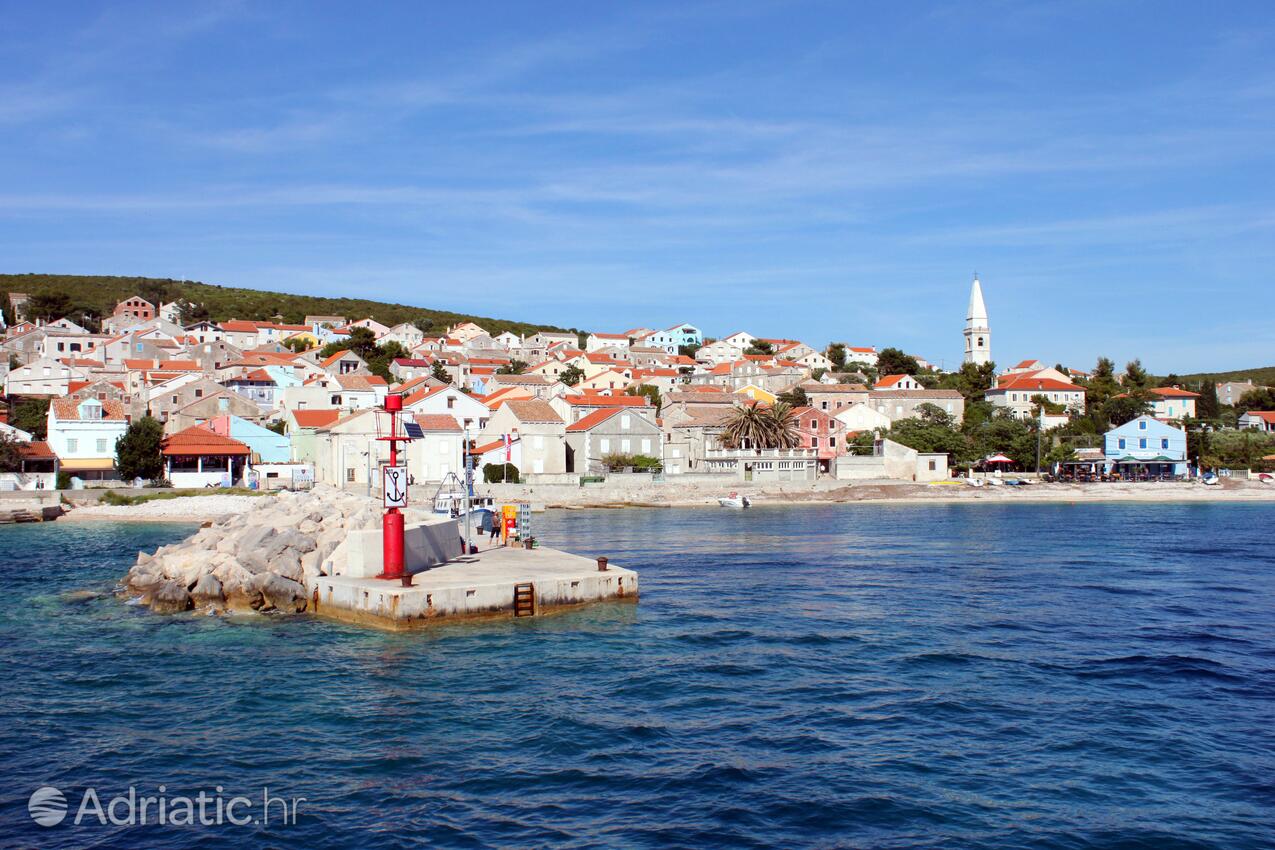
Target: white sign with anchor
{"type": "Point", "coordinates": [394, 486]}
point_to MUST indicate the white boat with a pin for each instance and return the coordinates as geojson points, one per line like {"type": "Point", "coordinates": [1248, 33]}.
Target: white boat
{"type": "Point", "coordinates": [449, 499]}
{"type": "Point", "coordinates": [734, 500]}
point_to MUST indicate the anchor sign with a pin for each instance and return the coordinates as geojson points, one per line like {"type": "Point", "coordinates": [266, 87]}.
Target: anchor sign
{"type": "Point", "coordinates": [395, 486]}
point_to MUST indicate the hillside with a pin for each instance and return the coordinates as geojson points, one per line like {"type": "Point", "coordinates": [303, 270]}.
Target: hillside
{"type": "Point", "coordinates": [1262, 375]}
{"type": "Point", "coordinates": [97, 295]}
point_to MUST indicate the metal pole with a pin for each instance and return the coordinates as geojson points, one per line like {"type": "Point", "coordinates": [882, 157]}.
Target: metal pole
{"type": "Point", "coordinates": [464, 460]}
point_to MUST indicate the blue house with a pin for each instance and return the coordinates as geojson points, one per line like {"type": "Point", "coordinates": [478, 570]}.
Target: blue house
{"type": "Point", "coordinates": [266, 445]}
{"type": "Point", "coordinates": [685, 335]}
{"type": "Point", "coordinates": [1145, 448]}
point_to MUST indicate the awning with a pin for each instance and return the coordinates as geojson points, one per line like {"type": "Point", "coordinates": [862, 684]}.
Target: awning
{"type": "Point", "coordinates": [1156, 459]}
{"type": "Point", "coordinates": [997, 459]}
{"type": "Point", "coordinates": [88, 464]}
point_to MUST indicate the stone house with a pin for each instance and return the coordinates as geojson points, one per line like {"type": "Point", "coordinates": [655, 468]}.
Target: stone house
{"type": "Point", "coordinates": [902, 404]}
{"type": "Point", "coordinates": [541, 430]}
{"type": "Point", "coordinates": [610, 431]}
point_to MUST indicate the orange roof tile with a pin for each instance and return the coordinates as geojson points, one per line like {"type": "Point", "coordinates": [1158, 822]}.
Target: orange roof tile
{"type": "Point", "coordinates": [315, 418]}
{"type": "Point", "coordinates": [198, 440]}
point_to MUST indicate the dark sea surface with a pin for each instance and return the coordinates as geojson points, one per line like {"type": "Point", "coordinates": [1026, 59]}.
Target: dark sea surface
{"type": "Point", "coordinates": [829, 676]}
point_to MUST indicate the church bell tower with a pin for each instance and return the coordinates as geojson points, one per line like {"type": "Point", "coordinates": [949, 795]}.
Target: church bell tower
{"type": "Point", "coordinates": [978, 334]}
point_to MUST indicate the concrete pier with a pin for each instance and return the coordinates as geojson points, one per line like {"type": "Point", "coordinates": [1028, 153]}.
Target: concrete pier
{"type": "Point", "coordinates": [497, 582]}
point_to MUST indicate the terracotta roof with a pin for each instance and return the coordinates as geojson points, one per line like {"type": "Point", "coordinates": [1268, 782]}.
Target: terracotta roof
{"type": "Point", "coordinates": [699, 416]}
{"type": "Point", "coordinates": [239, 326]}
{"type": "Point", "coordinates": [68, 409]}
{"type": "Point", "coordinates": [424, 393]}
{"type": "Point", "coordinates": [815, 387]}
{"type": "Point", "coordinates": [36, 450]}
{"type": "Point", "coordinates": [437, 422]}
{"type": "Point", "coordinates": [198, 440]}
{"type": "Point", "coordinates": [523, 379]}
{"type": "Point", "coordinates": [1264, 415]}
{"type": "Point", "coordinates": [1174, 392]}
{"type": "Point", "coordinates": [862, 349]}
{"type": "Point", "coordinates": [315, 418]}
{"type": "Point", "coordinates": [532, 410]}
{"type": "Point", "coordinates": [595, 418]}
{"type": "Point", "coordinates": [255, 375]}
{"type": "Point", "coordinates": [337, 356]}
{"type": "Point", "coordinates": [414, 362]}
{"type": "Point", "coordinates": [360, 382]}
{"type": "Point", "coordinates": [610, 336]}
{"type": "Point", "coordinates": [890, 380]}
{"type": "Point", "coordinates": [715, 396]}
{"type": "Point", "coordinates": [922, 393]}
{"type": "Point", "coordinates": [1029, 383]}
{"type": "Point", "coordinates": [599, 400]}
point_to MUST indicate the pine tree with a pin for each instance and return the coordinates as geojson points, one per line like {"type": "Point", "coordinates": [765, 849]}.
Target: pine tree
{"type": "Point", "coordinates": [137, 452]}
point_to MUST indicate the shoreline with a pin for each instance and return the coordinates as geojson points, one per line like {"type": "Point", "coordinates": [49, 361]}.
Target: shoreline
{"type": "Point", "coordinates": [565, 497]}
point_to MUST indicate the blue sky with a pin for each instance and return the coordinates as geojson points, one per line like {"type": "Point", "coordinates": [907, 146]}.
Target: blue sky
{"type": "Point", "coordinates": [824, 171]}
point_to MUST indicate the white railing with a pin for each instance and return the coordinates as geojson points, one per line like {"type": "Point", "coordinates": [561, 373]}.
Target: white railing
{"type": "Point", "coordinates": [753, 454]}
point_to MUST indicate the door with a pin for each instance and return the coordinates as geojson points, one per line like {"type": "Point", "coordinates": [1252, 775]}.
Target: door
{"type": "Point", "coordinates": [748, 472]}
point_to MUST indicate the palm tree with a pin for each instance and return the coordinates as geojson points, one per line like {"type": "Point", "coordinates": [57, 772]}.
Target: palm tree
{"type": "Point", "coordinates": [752, 426]}
{"type": "Point", "coordinates": [783, 427]}
{"type": "Point", "coordinates": [747, 427]}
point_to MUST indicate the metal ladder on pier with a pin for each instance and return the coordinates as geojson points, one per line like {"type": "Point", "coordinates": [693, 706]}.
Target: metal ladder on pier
{"type": "Point", "coordinates": [524, 600]}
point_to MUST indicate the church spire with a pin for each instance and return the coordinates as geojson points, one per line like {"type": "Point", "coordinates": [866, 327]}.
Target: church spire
{"type": "Point", "coordinates": [978, 331]}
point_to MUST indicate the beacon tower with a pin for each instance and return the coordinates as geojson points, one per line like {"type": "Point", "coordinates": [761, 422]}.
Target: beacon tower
{"type": "Point", "coordinates": [978, 334]}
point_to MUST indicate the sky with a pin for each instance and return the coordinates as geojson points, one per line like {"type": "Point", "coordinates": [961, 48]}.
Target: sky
{"type": "Point", "coordinates": [818, 171]}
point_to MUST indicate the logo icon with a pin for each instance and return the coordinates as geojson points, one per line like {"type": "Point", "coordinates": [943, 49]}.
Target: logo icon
{"type": "Point", "coordinates": [47, 806]}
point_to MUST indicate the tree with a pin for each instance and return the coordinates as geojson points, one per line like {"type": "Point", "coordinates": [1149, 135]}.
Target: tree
{"type": "Point", "coordinates": [1207, 405]}
{"type": "Point", "coordinates": [497, 473]}
{"type": "Point", "coordinates": [513, 367]}
{"type": "Point", "coordinates": [381, 356]}
{"type": "Point", "coordinates": [760, 346]}
{"type": "Point", "coordinates": [298, 344]}
{"type": "Point", "coordinates": [48, 306]}
{"type": "Point", "coordinates": [650, 393]}
{"type": "Point", "coordinates": [571, 375]}
{"type": "Point", "coordinates": [1135, 377]}
{"type": "Point", "coordinates": [972, 380]}
{"type": "Point", "coordinates": [10, 453]}
{"type": "Point", "coordinates": [137, 452]}
{"type": "Point", "coordinates": [279, 426]}
{"type": "Point", "coordinates": [31, 415]}
{"type": "Point", "coordinates": [687, 350]}
{"type": "Point", "coordinates": [189, 313]}
{"type": "Point", "coordinates": [439, 372]}
{"type": "Point", "coordinates": [892, 361]}
{"type": "Point", "coordinates": [794, 396]}
{"type": "Point", "coordinates": [1258, 398]}
{"type": "Point", "coordinates": [1127, 407]}
{"type": "Point", "coordinates": [751, 426]}
{"type": "Point", "coordinates": [837, 354]}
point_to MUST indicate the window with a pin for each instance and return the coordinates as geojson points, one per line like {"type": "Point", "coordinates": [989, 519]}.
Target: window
{"type": "Point", "coordinates": [677, 452]}
{"type": "Point", "coordinates": [349, 475]}
{"type": "Point", "coordinates": [199, 393]}
{"type": "Point", "coordinates": [814, 423]}
{"type": "Point", "coordinates": [933, 466]}
{"type": "Point", "coordinates": [1120, 442]}
{"type": "Point", "coordinates": [832, 442]}
{"type": "Point", "coordinates": [646, 446]}
{"type": "Point", "coordinates": [101, 446]}
{"type": "Point", "coordinates": [1164, 443]}
{"type": "Point", "coordinates": [72, 445]}
{"type": "Point", "coordinates": [1142, 424]}
{"type": "Point", "coordinates": [1142, 443]}
{"type": "Point", "coordinates": [814, 442]}
{"type": "Point", "coordinates": [604, 445]}
{"type": "Point", "coordinates": [451, 402]}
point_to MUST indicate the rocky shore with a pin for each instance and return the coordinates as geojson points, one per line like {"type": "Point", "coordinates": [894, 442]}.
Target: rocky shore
{"type": "Point", "coordinates": [263, 559]}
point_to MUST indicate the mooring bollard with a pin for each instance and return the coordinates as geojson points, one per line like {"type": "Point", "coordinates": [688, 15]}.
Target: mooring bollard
{"type": "Point", "coordinates": [602, 564]}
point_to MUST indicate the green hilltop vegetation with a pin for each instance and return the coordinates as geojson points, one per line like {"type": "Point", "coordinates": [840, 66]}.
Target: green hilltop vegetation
{"type": "Point", "coordinates": [1262, 376]}
{"type": "Point", "coordinates": [97, 295]}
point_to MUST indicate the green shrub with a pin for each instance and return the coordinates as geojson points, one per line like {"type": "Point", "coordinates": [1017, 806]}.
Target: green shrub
{"type": "Point", "coordinates": [496, 473]}
{"type": "Point", "coordinates": [64, 481]}
{"type": "Point", "coordinates": [617, 461]}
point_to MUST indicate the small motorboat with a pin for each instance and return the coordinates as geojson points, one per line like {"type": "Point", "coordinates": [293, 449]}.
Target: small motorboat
{"type": "Point", "coordinates": [1211, 479]}
{"type": "Point", "coordinates": [734, 500]}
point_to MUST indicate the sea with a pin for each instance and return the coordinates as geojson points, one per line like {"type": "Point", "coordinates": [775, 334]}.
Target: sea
{"type": "Point", "coordinates": [858, 676]}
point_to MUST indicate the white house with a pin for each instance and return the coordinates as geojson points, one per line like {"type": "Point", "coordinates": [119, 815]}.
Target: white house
{"type": "Point", "coordinates": [46, 376]}
{"type": "Point", "coordinates": [83, 433]}
{"type": "Point", "coordinates": [446, 400]}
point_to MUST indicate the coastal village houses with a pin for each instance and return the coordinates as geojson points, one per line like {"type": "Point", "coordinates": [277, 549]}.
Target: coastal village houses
{"type": "Point", "coordinates": [233, 398]}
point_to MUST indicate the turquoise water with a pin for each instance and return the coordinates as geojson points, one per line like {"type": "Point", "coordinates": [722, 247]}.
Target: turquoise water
{"type": "Point", "coordinates": [839, 676]}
